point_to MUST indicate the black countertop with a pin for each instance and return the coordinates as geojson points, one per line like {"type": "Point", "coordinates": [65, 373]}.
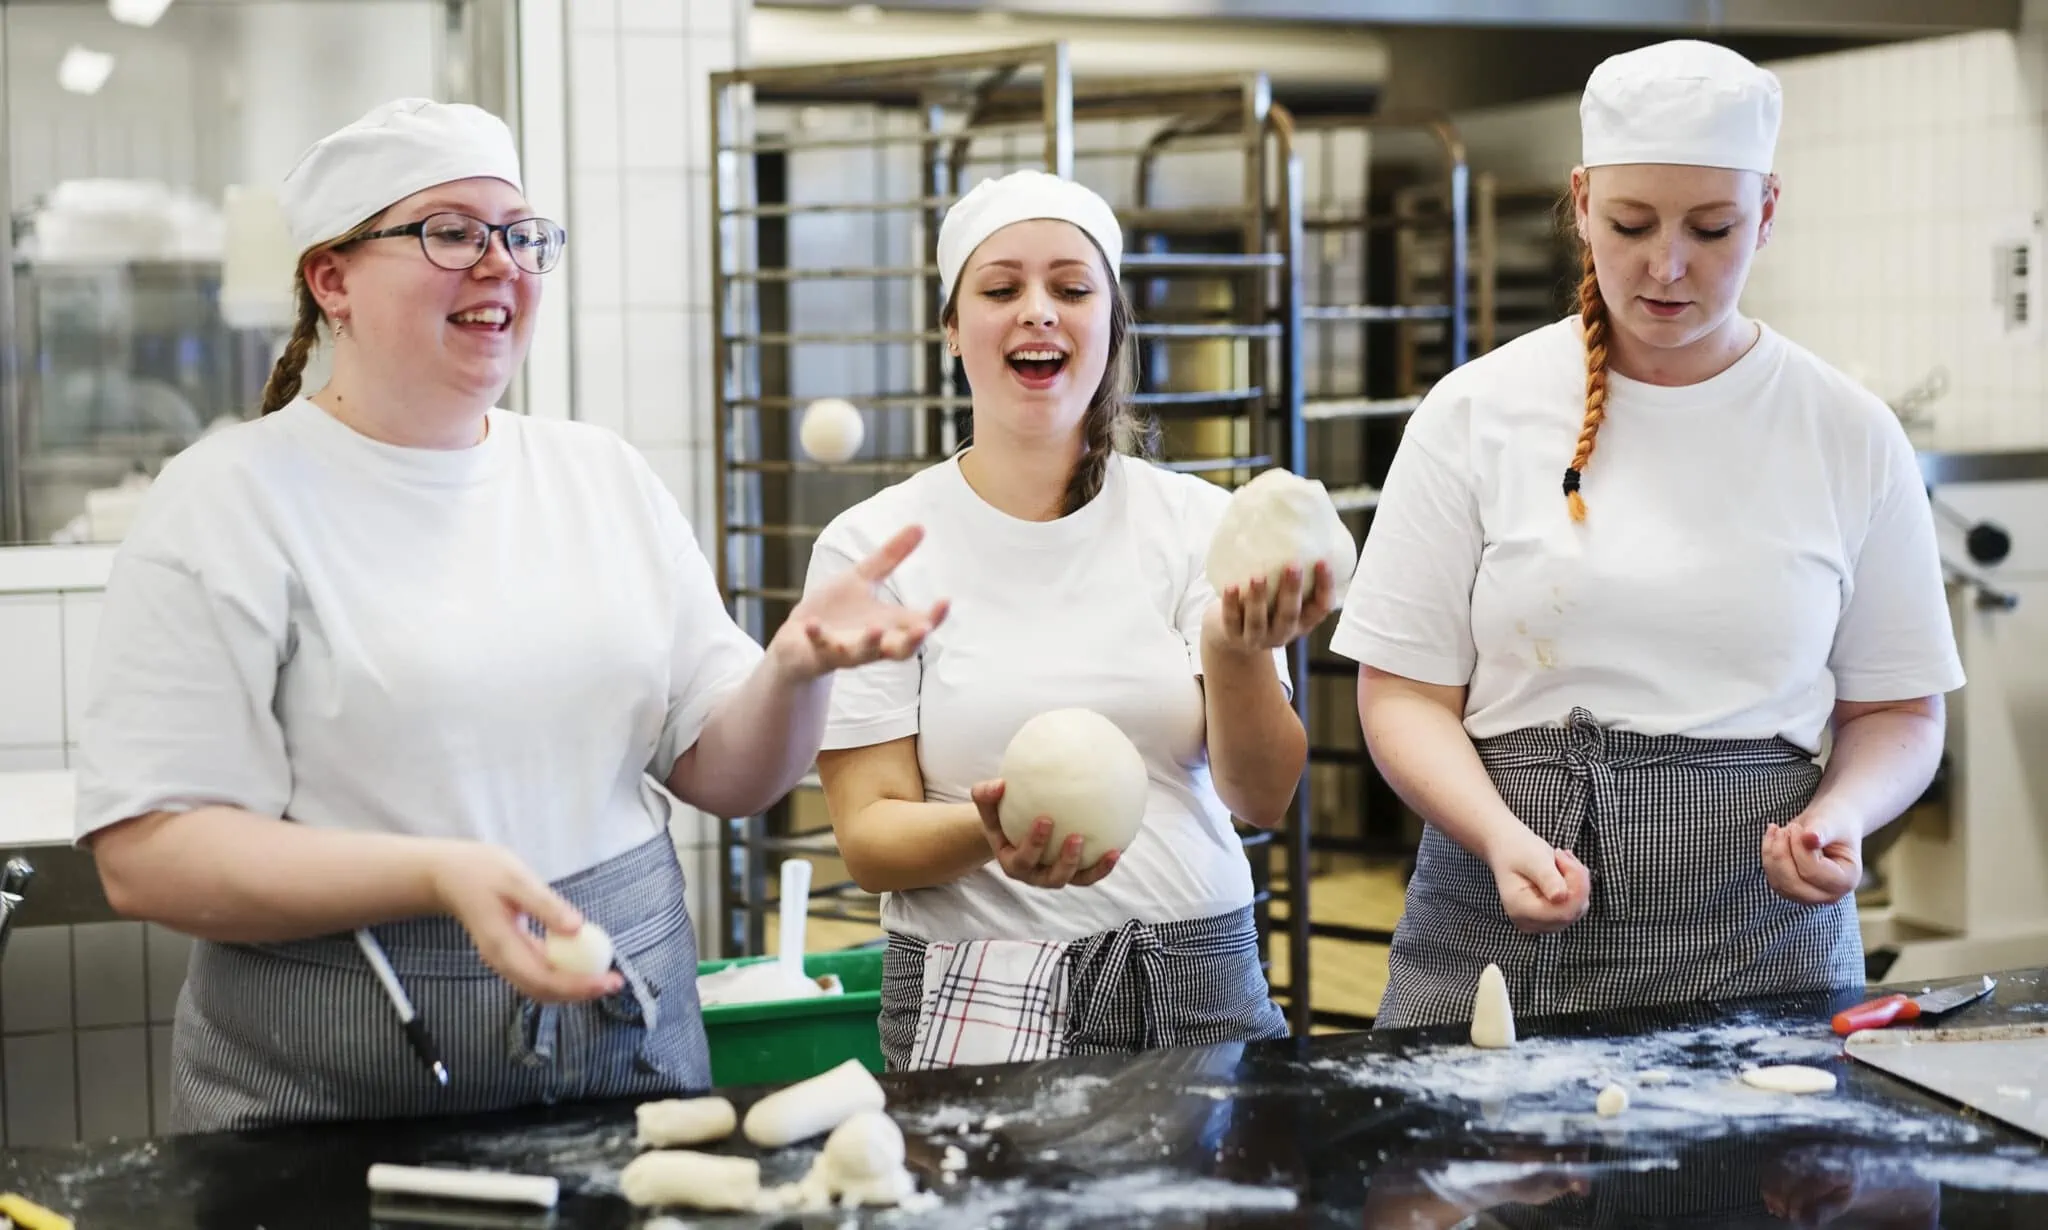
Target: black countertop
{"type": "Point", "coordinates": [1409, 1128]}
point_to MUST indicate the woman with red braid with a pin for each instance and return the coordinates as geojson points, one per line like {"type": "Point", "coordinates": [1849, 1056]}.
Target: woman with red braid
{"type": "Point", "coordinates": [1605, 683]}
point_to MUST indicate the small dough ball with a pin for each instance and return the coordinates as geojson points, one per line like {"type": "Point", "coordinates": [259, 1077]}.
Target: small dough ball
{"type": "Point", "coordinates": [685, 1121]}
{"type": "Point", "coordinates": [589, 951]}
{"type": "Point", "coordinates": [867, 1146]}
{"type": "Point", "coordinates": [831, 430]}
{"type": "Point", "coordinates": [1076, 767]}
{"type": "Point", "coordinates": [1611, 1102]}
{"type": "Point", "coordinates": [1790, 1078]}
{"type": "Point", "coordinates": [1277, 519]}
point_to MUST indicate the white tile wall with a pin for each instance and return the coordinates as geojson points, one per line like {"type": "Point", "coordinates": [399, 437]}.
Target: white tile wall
{"type": "Point", "coordinates": [1902, 165]}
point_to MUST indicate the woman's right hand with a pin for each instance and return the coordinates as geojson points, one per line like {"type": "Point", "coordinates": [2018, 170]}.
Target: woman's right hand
{"type": "Point", "coordinates": [1543, 889]}
{"type": "Point", "coordinates": [1020, 861]}
{"type": "Point", "coordinates": [492, 894]}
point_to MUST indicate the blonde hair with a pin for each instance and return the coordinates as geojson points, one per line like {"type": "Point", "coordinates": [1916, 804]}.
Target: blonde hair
{"type": "Point", "coordinates": [290, 367]}
{"type": "Point", "coordinates": [1593, 324]}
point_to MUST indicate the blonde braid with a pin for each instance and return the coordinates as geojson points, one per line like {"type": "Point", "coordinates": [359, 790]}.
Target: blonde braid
{"type": "Point", "coordinates": [1593, 320]}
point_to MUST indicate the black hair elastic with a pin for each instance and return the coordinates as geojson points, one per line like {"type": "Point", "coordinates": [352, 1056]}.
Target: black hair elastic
{"type": "Point", "coordinates": [1571, 480]}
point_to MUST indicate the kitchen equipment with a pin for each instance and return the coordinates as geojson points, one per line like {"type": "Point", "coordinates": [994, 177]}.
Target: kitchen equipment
{"type": "Point", "coordinates": [796, 909]}
{"type": "Point", "coordinates": [1999, 1070]}
{"type": "Point", "coordinates": [14, 880]}
{"type": "Point", "coordinates": [1878, 1013]}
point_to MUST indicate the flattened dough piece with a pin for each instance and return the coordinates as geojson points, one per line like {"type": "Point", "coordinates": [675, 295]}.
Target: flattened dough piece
{"type": "Point", "coordinates": [677, 1177]}
{"type": "Point", "coordinates": [685, 1121]}
{"type": "Point", "coordinates": [1790, 1078]}
{"type": "Point", "coordinates": [1493, 1018]}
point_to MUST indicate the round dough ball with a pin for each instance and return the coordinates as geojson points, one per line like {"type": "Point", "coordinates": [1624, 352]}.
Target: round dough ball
{"type": "Point", "coordinates": [589, 951]}
{"type": "Point", "coordinates": [1277, 519]}
{"type": "Point", "coordinates": [1611, 1102]}
{"type": "Point", "coordinates": [1075, 767]}
{"type": "Point", "coordinates": [1790, 1078]}
{"type": "Point", "coordinates": [831, 430]}
{"type": "Point", "coordinates": [867, 1146]}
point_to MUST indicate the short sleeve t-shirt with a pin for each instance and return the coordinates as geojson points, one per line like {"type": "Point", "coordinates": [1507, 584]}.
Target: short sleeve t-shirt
{"type": "Point", "coordinates": [1100, 609]}
{"type": "Point", "coordinates": [1757, 546]}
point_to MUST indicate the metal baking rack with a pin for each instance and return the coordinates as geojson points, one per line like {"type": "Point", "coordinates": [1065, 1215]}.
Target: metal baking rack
{"type": "Point", "coordinates": [1212, 283]}
{"type": "Point", "coordinates": [1386, 276]}
{"type": "Point", "coordinates": [816, 296]}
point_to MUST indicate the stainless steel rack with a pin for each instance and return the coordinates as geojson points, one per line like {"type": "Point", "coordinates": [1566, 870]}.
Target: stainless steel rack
{"type": "Point", "coordinates": [1386, 281]}
{"type": "Point", "coordinates": [1213, 283]}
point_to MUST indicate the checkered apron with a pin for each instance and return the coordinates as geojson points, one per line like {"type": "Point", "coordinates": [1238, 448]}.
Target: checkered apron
{"type": "Point", "coordinates": [272, 1034]}
{"type": "Point", "coordinates": [1671, 829]}
{"type": "Point", "coordinates": [1139, 987]}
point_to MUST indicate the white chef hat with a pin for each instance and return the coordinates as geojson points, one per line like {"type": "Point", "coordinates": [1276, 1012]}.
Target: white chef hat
{"type": "Point", "coordinates": [1685, 102]}
{"type": "Point", "coordinates": [1022, 196]}
{"type": "Point", "coordinates": [398, 148]}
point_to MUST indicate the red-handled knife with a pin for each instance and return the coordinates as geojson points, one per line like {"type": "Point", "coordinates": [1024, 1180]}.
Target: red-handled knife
{"type": "Point", "coordinates": [1878, 1013]}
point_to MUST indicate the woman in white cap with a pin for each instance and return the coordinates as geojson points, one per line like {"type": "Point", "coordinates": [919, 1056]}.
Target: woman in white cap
{"type": "Point", "coordinates": [392, 662]}
{"type": "Point", "coordinates": [1604, 680]}
{"type": "Point", "coordinates": [1078, 575]}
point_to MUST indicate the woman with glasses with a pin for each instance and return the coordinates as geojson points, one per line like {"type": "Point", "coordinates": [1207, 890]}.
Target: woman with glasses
{"type": "Point", "coordinates": [389, 674]}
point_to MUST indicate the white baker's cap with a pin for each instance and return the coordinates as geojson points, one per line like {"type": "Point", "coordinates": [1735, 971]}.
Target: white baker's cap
{"type": "Point", "coordinates": [1685, 102]}
{"type": "Point", "coordinates": [1022, 196]}
{"type": "Point", "coordinates": [398, 148]}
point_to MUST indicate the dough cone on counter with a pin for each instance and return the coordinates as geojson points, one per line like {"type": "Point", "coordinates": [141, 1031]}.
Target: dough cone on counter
{"type": "Point", "coordinates": [1493, 1017]}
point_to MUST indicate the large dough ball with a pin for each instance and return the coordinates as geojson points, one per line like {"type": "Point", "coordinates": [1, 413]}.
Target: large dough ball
{"type": "Point", "coordinates": [1277, 519]}
{"type": "Point", "coordinates": [831, 430]}
{"type": "Point", "coordinates": [1076, 767]}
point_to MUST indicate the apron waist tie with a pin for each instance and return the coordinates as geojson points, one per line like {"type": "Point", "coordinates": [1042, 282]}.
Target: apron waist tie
{"type": "Point", "coordinates": [1132, 953]}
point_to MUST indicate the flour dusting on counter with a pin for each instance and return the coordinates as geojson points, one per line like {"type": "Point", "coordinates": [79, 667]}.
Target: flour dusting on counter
{"type": "Point", "coordinates": [1547, 1087]}
{"type": "Point", "coordinates": [1099, 1202]}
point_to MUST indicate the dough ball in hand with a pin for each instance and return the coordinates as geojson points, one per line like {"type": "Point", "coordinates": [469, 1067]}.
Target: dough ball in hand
{"type": "Point", "coordinates": [831, 430]}
{"type": "Point", "coordinates": [589, 951]}
{"type": "Point", "coordinates": [1075, 767]}
{"type": "Point", "coordinates": [1279, 519]}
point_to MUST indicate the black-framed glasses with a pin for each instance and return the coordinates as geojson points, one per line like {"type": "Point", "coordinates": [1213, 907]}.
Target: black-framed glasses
{"type": "Point", "coordinates": [458, 241]}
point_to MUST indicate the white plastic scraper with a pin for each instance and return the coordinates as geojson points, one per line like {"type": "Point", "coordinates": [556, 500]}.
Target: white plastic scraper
{"type": "Point", "coordinates": [796, 908]}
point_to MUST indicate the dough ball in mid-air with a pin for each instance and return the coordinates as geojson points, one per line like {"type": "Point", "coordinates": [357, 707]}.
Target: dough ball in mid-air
{"type": "Point", "coordinates": [1278, 519]}
{"type": "Point", "coordinates": [1076, 768]}
{"type": "Point", "coordinates": [589, 951]}
{"type": "Point", "coordinates": [831, 430]}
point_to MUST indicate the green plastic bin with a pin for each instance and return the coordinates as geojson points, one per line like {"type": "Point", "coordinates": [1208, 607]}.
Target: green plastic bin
{"type": "Point", "coordinates": [776, 1043]}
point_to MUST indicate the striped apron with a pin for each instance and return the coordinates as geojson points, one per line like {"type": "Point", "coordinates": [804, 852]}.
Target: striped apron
{"type": "Point", "coordinates": [302, 1031]}
{"type": "Point", "coordinates": [1139, 987]}
{"type": "Point", "coordinates": [1671, 829]}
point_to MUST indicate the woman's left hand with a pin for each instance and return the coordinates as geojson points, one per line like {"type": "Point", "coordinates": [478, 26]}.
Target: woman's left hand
{"type": "Point", "coordinates": [1257, 617]}
{"type": "Point", "coordinates": [1815, 860]}
{"type": "Point", "coordinates": [843, 623]}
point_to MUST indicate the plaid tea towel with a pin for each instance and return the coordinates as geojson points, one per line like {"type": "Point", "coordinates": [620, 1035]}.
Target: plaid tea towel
{"type": "Point", "coordinates": [991, 1001]}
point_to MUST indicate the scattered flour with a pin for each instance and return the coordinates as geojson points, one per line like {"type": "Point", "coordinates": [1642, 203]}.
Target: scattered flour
{"type": "Point", "coordinates": [1101, 1202]}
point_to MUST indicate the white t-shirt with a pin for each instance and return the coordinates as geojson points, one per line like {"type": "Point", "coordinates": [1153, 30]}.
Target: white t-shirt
{"type": "Point", "coordinates": [1100, 609]}
{"type": "Point", "coordinates": [1756, 546]}
{"type": "Point", "coordinates": [498, 642]}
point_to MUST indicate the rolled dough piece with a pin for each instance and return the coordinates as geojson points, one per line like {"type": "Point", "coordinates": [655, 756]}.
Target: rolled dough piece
{"type": "Point", "coordinates": [1277, 519]}
{"type": "Point", "coordinates": [1653, 1076]}
{"type": "Point", "coordinates": [1493, 1017]}
{"type": "Point", "coordinates": [669, 1177]}
{"type": "Point", "coordinates": [589, 951]}
{"type": "Point", "coordinates": [831, 430]}
{"type": "Point", "coordinates": [810, 1107]}
{"type": "Point", "coordinates": [448, 1183]}
{"type": "Point", "coordinates": [1075, 767]}
{"type": "Point", "coordinates": [1790, 1078]}
{"type": "Point", "coordinates": [685, 1121]}
{"type": "Point", "coordinates": [1611, 1102]}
